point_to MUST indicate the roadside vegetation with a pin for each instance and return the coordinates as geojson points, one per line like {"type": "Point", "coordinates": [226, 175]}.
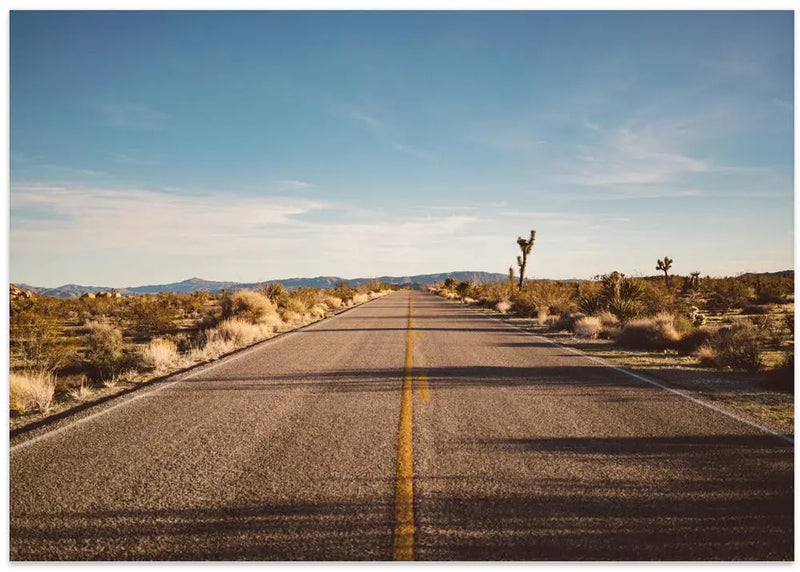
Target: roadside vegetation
{"type": "Point", "coordinates": [741, 323]}
{"type": "Point", "coordinates": [66, 351]}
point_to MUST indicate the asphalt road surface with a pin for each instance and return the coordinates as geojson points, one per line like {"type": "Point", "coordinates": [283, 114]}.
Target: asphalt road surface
{"type": "Point", "coordinates": [373, 435]}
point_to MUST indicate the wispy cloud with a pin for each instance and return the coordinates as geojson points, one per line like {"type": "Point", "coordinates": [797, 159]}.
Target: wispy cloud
{"type": "Point", "coordinates": [294, 185]}
{"type": "Point", "coordinates": [133, 116]}
{"type": "Point", "coordinates": [629, 158]}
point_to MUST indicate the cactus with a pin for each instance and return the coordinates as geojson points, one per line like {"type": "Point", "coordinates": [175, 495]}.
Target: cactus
{"type": "Point", "coordinates": [522, 261]}
{"type": "Point", "coordinates": [664, 266]}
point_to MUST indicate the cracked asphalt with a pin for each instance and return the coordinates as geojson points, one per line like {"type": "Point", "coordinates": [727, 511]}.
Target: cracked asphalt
{"type": "Point", "coordinates": [289, 451]}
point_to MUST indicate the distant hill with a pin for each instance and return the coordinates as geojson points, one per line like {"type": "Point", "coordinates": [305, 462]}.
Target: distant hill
{"type": "Point", "coordinates": [194, 284]}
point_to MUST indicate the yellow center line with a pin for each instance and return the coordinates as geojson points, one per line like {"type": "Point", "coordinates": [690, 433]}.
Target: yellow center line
{"type": "Point", "coordinates": [422, 384]}
{"type": "Point", "coordinates": [404, 493]}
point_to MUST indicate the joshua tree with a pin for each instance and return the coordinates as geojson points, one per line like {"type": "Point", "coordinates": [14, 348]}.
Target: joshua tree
{"type": "Point", "coordinates": [664, 266]}
{"type": "Point", "coordinates": [522, 261]}
{"type": "Point", "coordinates": [511, 279]}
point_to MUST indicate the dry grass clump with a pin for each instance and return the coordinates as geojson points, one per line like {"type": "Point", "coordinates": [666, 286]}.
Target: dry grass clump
{"type": "Point", "coordinates": [31, 390]}
{"type": "Point", "coordinates": [657, 332]}
{"type": "Point", "coordinates": [83, 391]}
{"type": "Point", "coordinates": [239, 332]}
{"type": "Point", "coordinates": [250, 306]}
{"type": "Point", "coordinates": [211, 350]}
{"type": "Point", "coordinates": [707, 355]}
{"type": "Point", "coordinates": [503, 306]}
{"type": "Point", "coordinates": [587, 327]}
{"type": "Point", "coordinates": [332, 301]}
{"type": "Point", "coordinates": [318, 311]}
{"type": "Point", "coordinates": [159, 354]}
{"type": "Point", "coordinates": [360, 298]}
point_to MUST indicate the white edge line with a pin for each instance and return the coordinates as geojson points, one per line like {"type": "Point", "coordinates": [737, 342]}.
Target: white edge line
{"type": "Point", "coordinates": [200, 369]}
{"type": "Point", "coordinates": [643, 378]}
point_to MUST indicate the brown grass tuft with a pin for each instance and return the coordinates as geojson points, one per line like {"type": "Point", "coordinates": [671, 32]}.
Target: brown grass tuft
{"type": "Point", "coordinates": [31, 390]}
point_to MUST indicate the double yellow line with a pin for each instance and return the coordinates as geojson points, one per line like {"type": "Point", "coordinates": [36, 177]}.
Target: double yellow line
{"type": "Point", "coordinates": [404, 493]}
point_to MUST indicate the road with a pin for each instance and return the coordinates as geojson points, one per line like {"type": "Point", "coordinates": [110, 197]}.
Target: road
{"type": "Point", "coordinates": [409, 427]}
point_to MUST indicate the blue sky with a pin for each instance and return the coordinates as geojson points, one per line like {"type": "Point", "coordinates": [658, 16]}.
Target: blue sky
{"type": "Point", "coordinates": [149, 147]}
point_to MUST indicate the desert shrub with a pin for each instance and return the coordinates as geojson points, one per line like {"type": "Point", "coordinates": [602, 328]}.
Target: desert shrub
{"type": "Point", "coordinates": [657, 298]}
{"type": "Point", "coordinates": [149, 314]}
{"type": "Point", "coordinates": [309, 297]}
{"type": "Point", "coordinates": [463, 288]}
{"type": "Point", "coordinates": [615, 293]}
{"type": "Point", "coordinates": [248, 305]}
{"type": "Point", "coordinates": [683, 325]}
{"type": "Point", "coordinates": [524, 302]}
{"type": "Point", "coordinates": [275, 293]}
{"type": "Point", "coordinates": [693, 339]}
{"type": "Point", "coordinates": [105, 350]}
{"type": "Point", "coordinates": [503, 306]}
{"type": "Point", "coordinates": [30, 390]}
{"type": "Point", "coordinates": [491, 294]}
{"type": "Point", "coordinates": [360, 298]}
{"type": "Point", "coordinates": [738, 347]}
{"type": "Point", "coordinates": [773, 289]}
{"type": "Point", "coordinates": [36, 341]}
{"type": "Point", "coordinates": [587, 327]}
{"type": "Point", "coordinates": [657, 332]}
{"type": "Point", "coordinates": [547, 297]}
{"type": "Point", "coordinates": [159, 354]}
{"type": "Point", "coordinates": [195, 301]}
{"type": "Point", "coordinates": [727, 293]}
{"type": "Point", "coordinates": [296, 305]}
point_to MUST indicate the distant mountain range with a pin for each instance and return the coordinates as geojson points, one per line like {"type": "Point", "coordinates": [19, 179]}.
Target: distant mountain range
{"type": "Point", "coordinates": [194, 284]}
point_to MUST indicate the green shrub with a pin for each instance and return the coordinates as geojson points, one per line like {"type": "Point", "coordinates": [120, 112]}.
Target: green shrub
{"type": "Point", "coordinates": [615, 293]}
{"type": "Point", "coordinates": [725, 294]}
{"type": "Point", "coordinates": [738, 347]}
{"type": "Point", "coordinates": [37, 341]}
{"type": "Point", "coordinates": [105, 354]}
{"type": "Point", "coordinates": [657, 298]}
{"type": "Point", "coordinates": [149, 314]}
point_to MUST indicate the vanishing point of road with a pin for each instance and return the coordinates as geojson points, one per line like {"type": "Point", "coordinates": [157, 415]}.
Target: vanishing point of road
{"type": "Point", "coordinates": [406, 428]}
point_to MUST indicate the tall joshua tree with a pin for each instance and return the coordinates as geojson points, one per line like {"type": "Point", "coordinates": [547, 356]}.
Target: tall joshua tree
{"type": "Point", "coordinates": [522, 261]}
{"type": "Point", "coordinates": [664, 266]}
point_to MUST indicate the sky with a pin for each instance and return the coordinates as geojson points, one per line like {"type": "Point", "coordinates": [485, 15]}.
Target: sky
{"type": "Point", "coordinates": [151, 147]}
